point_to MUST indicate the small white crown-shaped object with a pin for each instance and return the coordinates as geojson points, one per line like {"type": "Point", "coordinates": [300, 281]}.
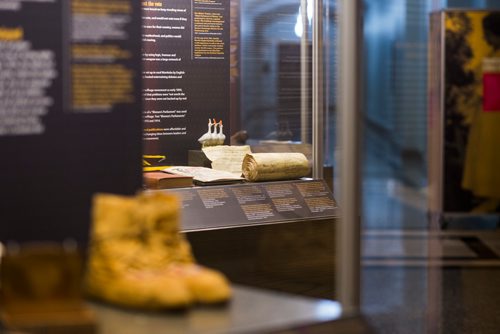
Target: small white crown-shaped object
{"type": "Point", "coordinates": [207, 138]}
{"type": "Point", "coordinates": [221, 137]}
{"type": "Point", "coordinates": [214, 136]}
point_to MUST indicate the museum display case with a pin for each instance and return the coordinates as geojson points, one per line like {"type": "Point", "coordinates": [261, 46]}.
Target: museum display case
{"type": "Point", "coordinates": [227, 107]}
{"type": "Point", "coordinates": [463, 115]}
{"type": "Point", "coordinates": [247, 67]}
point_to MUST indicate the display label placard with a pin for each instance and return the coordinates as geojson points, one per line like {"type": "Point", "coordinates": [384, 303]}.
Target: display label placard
{"type": "Point", "coordinates": [255, 203]}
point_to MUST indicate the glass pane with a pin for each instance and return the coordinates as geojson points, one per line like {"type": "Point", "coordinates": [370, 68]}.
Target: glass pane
{"type": "Point", "coordinates": [271, 69]}
{"type": "Point", "coordinates": [276, 74]}
{"type": "Point", "coordinates": [399, 239]}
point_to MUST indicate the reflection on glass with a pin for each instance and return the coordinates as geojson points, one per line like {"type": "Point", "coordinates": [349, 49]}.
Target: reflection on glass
{"type": "Point", "coordinates": [394, 181]}
{"type": "Point", "coordinates": [327, 309]}
{"type": "Point", "coordinates": [276, 72]}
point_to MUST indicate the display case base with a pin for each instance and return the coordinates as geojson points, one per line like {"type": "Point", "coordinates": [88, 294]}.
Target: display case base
{"type": "Point", "coordinates": [293, 257]}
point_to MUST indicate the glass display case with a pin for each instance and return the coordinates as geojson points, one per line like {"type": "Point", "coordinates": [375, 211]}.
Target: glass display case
{"type": "Point", "coordinates": [268, 76]}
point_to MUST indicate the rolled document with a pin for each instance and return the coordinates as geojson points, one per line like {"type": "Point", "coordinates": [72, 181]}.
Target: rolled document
{"type": "Point", "coordinates": [274, 166]}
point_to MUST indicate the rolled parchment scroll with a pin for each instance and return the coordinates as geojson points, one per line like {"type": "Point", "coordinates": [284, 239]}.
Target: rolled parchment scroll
{"type": "Point", "coordinates": [274, 166]}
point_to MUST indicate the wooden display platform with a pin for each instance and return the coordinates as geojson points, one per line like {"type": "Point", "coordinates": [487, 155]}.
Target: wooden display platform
{"type": "Point", "coordinates": [73, 321]}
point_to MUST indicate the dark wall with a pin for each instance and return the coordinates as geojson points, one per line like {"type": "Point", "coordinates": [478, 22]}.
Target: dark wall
{"type": "Point", "coordinates": [48, 175]}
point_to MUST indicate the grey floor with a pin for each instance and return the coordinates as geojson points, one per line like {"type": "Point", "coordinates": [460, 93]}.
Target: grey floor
{"type": "Point", "coordinates": [465, 300]}
{"type": "Point", "coordinates": [418, 280]}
